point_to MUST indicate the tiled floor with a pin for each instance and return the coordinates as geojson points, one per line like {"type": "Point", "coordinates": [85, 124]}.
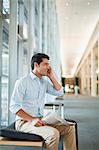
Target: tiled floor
{"type": "Point", "coordinates": [85, 110]}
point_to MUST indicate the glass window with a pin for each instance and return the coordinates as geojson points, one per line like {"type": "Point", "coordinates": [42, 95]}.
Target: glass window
{"type": "Point", "coordinates": [6, 5]}
{"type": "Point", "coordinates": [25, 15]}
{"type": "Point", "coordinates": [5, 64]}
{"type": "Point", "coordinates": [4, 79]}
{"type": "Point", "coordinates": [5, 36]}
{"type": "Point", "coordinates": [4, 102]}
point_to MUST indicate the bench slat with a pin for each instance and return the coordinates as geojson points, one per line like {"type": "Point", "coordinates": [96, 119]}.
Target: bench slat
{"type": "Point", "coordinates": [7, 141]}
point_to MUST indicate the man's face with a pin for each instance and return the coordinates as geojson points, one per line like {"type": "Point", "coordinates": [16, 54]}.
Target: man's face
{"type": "Point", "coordinates": [42, 67]}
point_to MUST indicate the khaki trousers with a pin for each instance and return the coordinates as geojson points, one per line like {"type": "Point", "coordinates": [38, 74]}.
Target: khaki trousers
{"type": "Point", "coordinates": [51, 134]}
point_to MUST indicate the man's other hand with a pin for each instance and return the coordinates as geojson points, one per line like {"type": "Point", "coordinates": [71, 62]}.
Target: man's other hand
{"type": "Point", "coordinates": [39, 123]}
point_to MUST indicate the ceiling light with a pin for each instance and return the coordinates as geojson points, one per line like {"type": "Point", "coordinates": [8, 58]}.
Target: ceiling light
{"type": "Point", "coordinates": [97, 71]}
{"type": "Point", "coordinates": [88, 3]}
{"type": "Point", "coordinates": [66, 18]}
{"type": "Point", "coordinates": [67, 4]}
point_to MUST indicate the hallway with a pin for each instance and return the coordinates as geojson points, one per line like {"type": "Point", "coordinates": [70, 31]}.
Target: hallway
{"type": "Point", "coordinates": [68, 32]}
{"type": "Point", "coordinates": [85, 110]}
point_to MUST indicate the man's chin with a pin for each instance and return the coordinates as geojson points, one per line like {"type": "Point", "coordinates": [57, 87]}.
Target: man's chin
{"type": "Point", "coordinates": [44, 74]}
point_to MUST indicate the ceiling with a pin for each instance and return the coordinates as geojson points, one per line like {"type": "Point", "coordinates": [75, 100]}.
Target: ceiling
{"type": "Point", "coordinates": [77, 20]}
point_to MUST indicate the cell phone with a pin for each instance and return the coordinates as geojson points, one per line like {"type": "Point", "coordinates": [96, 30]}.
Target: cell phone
{"type": "Point", "coordinates": [48, 70]}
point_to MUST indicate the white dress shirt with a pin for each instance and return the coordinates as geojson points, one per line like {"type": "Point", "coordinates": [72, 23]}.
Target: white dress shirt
{"type": "Point", "coordinates": [29, 94]}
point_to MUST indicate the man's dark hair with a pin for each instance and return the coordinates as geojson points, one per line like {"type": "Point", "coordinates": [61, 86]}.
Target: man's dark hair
{"type": "Point", "coordinates": [38, 59]}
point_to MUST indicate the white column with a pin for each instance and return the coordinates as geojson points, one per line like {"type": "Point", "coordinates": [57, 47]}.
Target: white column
{"type": "Point", "coordinates": [81, 76]}
{"type": "Point", "coordinates": [98, 67]}
{"type": "Point", "coordinates": [88, 77]}
{"type": "Point", "coordinates": [83, 85]}
{"type": "Point", "coordinates": [93, 74]}
{"type": "Point", "coordinates": [12, 47]}
{"type": "Point", "coordinates": [45, 26]}
{"type": "Point", "coordinates": [98, 53]}
{"type": "Point", "coordinates": [40, 26]}
{"type": "Point", "coordinates": [20, 48]}
{"type": "Point", "coordinates": [48, 26]}
{"type": "Point", "coordinates": [31, 30]}
{"type": "Point", "coordinates": [84, 79]}
{"type": "Point", "coordinates": [1, 42]}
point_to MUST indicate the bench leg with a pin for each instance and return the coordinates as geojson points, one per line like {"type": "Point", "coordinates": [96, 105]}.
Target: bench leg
{"type": "Point", "coordinates": [43, 146]}
{"type": "Point", "coordinates": [62, 112]}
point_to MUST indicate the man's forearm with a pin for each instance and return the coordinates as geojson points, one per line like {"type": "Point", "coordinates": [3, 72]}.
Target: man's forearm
{"type": "Point", "coordinates": [21, 113]}
{"type": "Point", "coordinates": [56, 85]}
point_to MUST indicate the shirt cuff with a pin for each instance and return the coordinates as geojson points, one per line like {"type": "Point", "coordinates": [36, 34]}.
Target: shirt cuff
{"type": "Point", "coordinates": [15, 109]}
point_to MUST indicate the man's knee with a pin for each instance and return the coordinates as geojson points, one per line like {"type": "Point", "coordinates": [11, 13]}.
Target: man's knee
{"type": "Point", "coordinates": [54, 134]}
{"type": "Point", "coordinates": [52, 140]}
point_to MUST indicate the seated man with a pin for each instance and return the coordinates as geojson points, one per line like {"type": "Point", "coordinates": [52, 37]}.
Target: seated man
{"type": "Point", "coordinates": [27, 102]}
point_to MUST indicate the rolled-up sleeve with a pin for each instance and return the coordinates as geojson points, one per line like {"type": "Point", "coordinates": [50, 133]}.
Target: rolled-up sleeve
{"type": "Point", "coordinates": [17, 96]}
{"type": "Point", "coordinates": [51, 90]}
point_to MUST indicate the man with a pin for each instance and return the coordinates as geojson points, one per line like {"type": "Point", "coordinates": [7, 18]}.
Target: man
{"type": "Point", "coordinates": [76, 89]}
{"type": "Point", "coordinates": [27, 102]}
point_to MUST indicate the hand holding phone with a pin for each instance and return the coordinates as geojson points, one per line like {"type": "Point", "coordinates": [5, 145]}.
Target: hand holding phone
{"type": "Point", "coordinates": [49, 70]}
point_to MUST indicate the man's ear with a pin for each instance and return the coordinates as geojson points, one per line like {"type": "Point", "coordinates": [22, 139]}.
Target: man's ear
{"type": "Point", "coordinates": [35, 64]}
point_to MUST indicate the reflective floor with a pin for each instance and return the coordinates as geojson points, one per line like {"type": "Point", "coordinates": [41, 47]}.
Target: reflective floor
{"type": "Point", "coordinates": [84, 110]}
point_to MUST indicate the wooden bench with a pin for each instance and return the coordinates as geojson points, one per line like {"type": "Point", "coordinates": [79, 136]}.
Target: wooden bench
{"type": "Point", "coordinates": [8, 141]}
{"type": "Point", "coordinates": [9, 136]}
{"type": "Point", "coordinates": [36, 141]}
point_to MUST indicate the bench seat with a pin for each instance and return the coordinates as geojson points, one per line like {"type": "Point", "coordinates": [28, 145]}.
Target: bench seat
{"type": "Point", "coordinates": [10, 136]}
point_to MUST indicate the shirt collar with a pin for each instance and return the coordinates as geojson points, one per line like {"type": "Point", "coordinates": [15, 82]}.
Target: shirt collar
{"type": "Point", "coordinates": [33, 76]}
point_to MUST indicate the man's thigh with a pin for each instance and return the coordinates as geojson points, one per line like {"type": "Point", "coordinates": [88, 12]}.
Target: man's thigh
{"type": "Point", "coordinates": [62, 128]}
{"type": "Point", "coordinates": [44, 131]}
